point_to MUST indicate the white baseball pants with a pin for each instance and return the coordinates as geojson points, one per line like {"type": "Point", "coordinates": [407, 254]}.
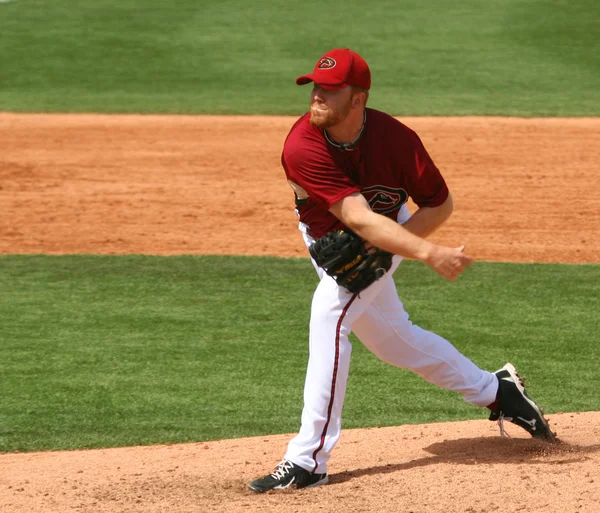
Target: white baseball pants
{"type": "Point", "coordinates": [377, 317]}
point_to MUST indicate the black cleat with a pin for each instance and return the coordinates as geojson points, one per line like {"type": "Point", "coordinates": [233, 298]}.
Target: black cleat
{"type": "Point", "coordinates": [517, 407]}
{"type": "Point", "coordinates": [286, 475]}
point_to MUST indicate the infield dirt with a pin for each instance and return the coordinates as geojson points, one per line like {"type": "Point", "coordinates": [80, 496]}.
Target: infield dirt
{"type": "Point", "coordinates": [525, 190]}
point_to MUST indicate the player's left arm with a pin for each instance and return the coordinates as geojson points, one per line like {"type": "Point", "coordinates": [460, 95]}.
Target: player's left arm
{"type": "Point", "coordinates": [427, 220]}
{"type": "Point", "coordinates": [428, 190]}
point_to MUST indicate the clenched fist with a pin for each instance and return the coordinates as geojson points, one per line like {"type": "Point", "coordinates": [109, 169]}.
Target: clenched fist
{"type": "Point", "coordinates": [448, 262]}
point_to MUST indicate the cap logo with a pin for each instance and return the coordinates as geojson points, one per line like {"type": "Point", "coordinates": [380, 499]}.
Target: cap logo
{"type": "Point", "coordinates": [327, 63]}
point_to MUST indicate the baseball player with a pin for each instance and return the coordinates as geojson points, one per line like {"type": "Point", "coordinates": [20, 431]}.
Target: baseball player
{"type": "Point", "coordinates": [352, 170]}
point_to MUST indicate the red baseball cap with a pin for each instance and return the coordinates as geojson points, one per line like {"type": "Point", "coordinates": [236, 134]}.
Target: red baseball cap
{"type": "Point", "coordinates": [339, 68]}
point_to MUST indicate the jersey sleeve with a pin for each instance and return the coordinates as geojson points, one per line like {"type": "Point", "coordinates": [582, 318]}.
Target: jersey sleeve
{"type": "Point", "coordinates": [313, 171]}
{"type": "Point", "coordinates": [427, 185]}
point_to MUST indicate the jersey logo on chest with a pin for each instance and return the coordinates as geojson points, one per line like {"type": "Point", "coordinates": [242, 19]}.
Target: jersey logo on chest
{"type": "Point", "coordinates": [384, 199]}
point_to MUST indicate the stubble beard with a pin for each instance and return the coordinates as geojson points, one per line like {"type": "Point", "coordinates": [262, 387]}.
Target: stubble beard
{"type": "Point", "coordinates": [329, 117]}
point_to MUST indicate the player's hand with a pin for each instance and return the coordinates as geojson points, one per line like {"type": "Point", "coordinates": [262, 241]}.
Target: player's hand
{"type": "Point", "coordinates": [449, 262]}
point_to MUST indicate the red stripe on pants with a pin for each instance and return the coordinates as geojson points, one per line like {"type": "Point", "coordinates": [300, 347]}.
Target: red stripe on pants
{"type": "Point", "coordinates": [335, 370]}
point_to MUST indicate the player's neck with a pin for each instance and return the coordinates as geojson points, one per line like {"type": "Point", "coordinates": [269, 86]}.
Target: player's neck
{"type": "Point", "coordinates": [349, 131]}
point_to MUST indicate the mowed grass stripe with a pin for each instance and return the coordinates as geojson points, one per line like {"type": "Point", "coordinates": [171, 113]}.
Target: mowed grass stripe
{"type": "Point", "coordinates": [101, 351]}
{"type": "Point", "coordinates": [508, 57]}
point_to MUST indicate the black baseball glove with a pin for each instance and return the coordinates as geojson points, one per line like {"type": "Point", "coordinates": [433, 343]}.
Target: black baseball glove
{"type": "Point", "coordinates": [343, 256]}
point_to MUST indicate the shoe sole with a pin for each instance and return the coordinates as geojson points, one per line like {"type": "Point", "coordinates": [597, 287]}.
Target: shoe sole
{"type": "Point", "coordinates": [260, 490]}
{"type": "Point", "coordinates": [256, 490]}
{"type": "Point", "coordinates": [323, 481]}
{"type": "Point", "coordinates": [548, 434]}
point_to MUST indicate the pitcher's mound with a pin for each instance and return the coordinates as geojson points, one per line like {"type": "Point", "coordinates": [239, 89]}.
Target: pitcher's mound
{"type": "Point", "coordinates": [434, 468]}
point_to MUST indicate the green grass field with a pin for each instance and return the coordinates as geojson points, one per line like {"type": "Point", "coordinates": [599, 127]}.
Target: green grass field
{"type": "Point", "coordinates": [109, 351]}
{"type": "Point", "coordinates": [507, 57]}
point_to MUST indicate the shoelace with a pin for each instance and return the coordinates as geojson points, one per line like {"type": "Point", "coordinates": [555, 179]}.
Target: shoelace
{"type": "Point", "coordinates": [282, 469]}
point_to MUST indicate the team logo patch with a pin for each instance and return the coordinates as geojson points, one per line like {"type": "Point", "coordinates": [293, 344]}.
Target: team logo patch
{"type": "Point", "coordinates": [384, 199]}
{"type": "Point", "coordinates": [327, 63]}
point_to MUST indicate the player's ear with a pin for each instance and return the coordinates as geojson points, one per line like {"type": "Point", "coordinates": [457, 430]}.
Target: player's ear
{"type": "Point", "coordinates": [359, 99]}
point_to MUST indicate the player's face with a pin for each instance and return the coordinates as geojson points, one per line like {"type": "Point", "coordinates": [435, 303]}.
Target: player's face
{"type": "Point", "coordinates": [329, 108]}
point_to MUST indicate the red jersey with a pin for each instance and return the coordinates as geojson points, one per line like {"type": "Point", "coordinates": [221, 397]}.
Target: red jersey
{"type": "Point", "coordinates": [388, 165]}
